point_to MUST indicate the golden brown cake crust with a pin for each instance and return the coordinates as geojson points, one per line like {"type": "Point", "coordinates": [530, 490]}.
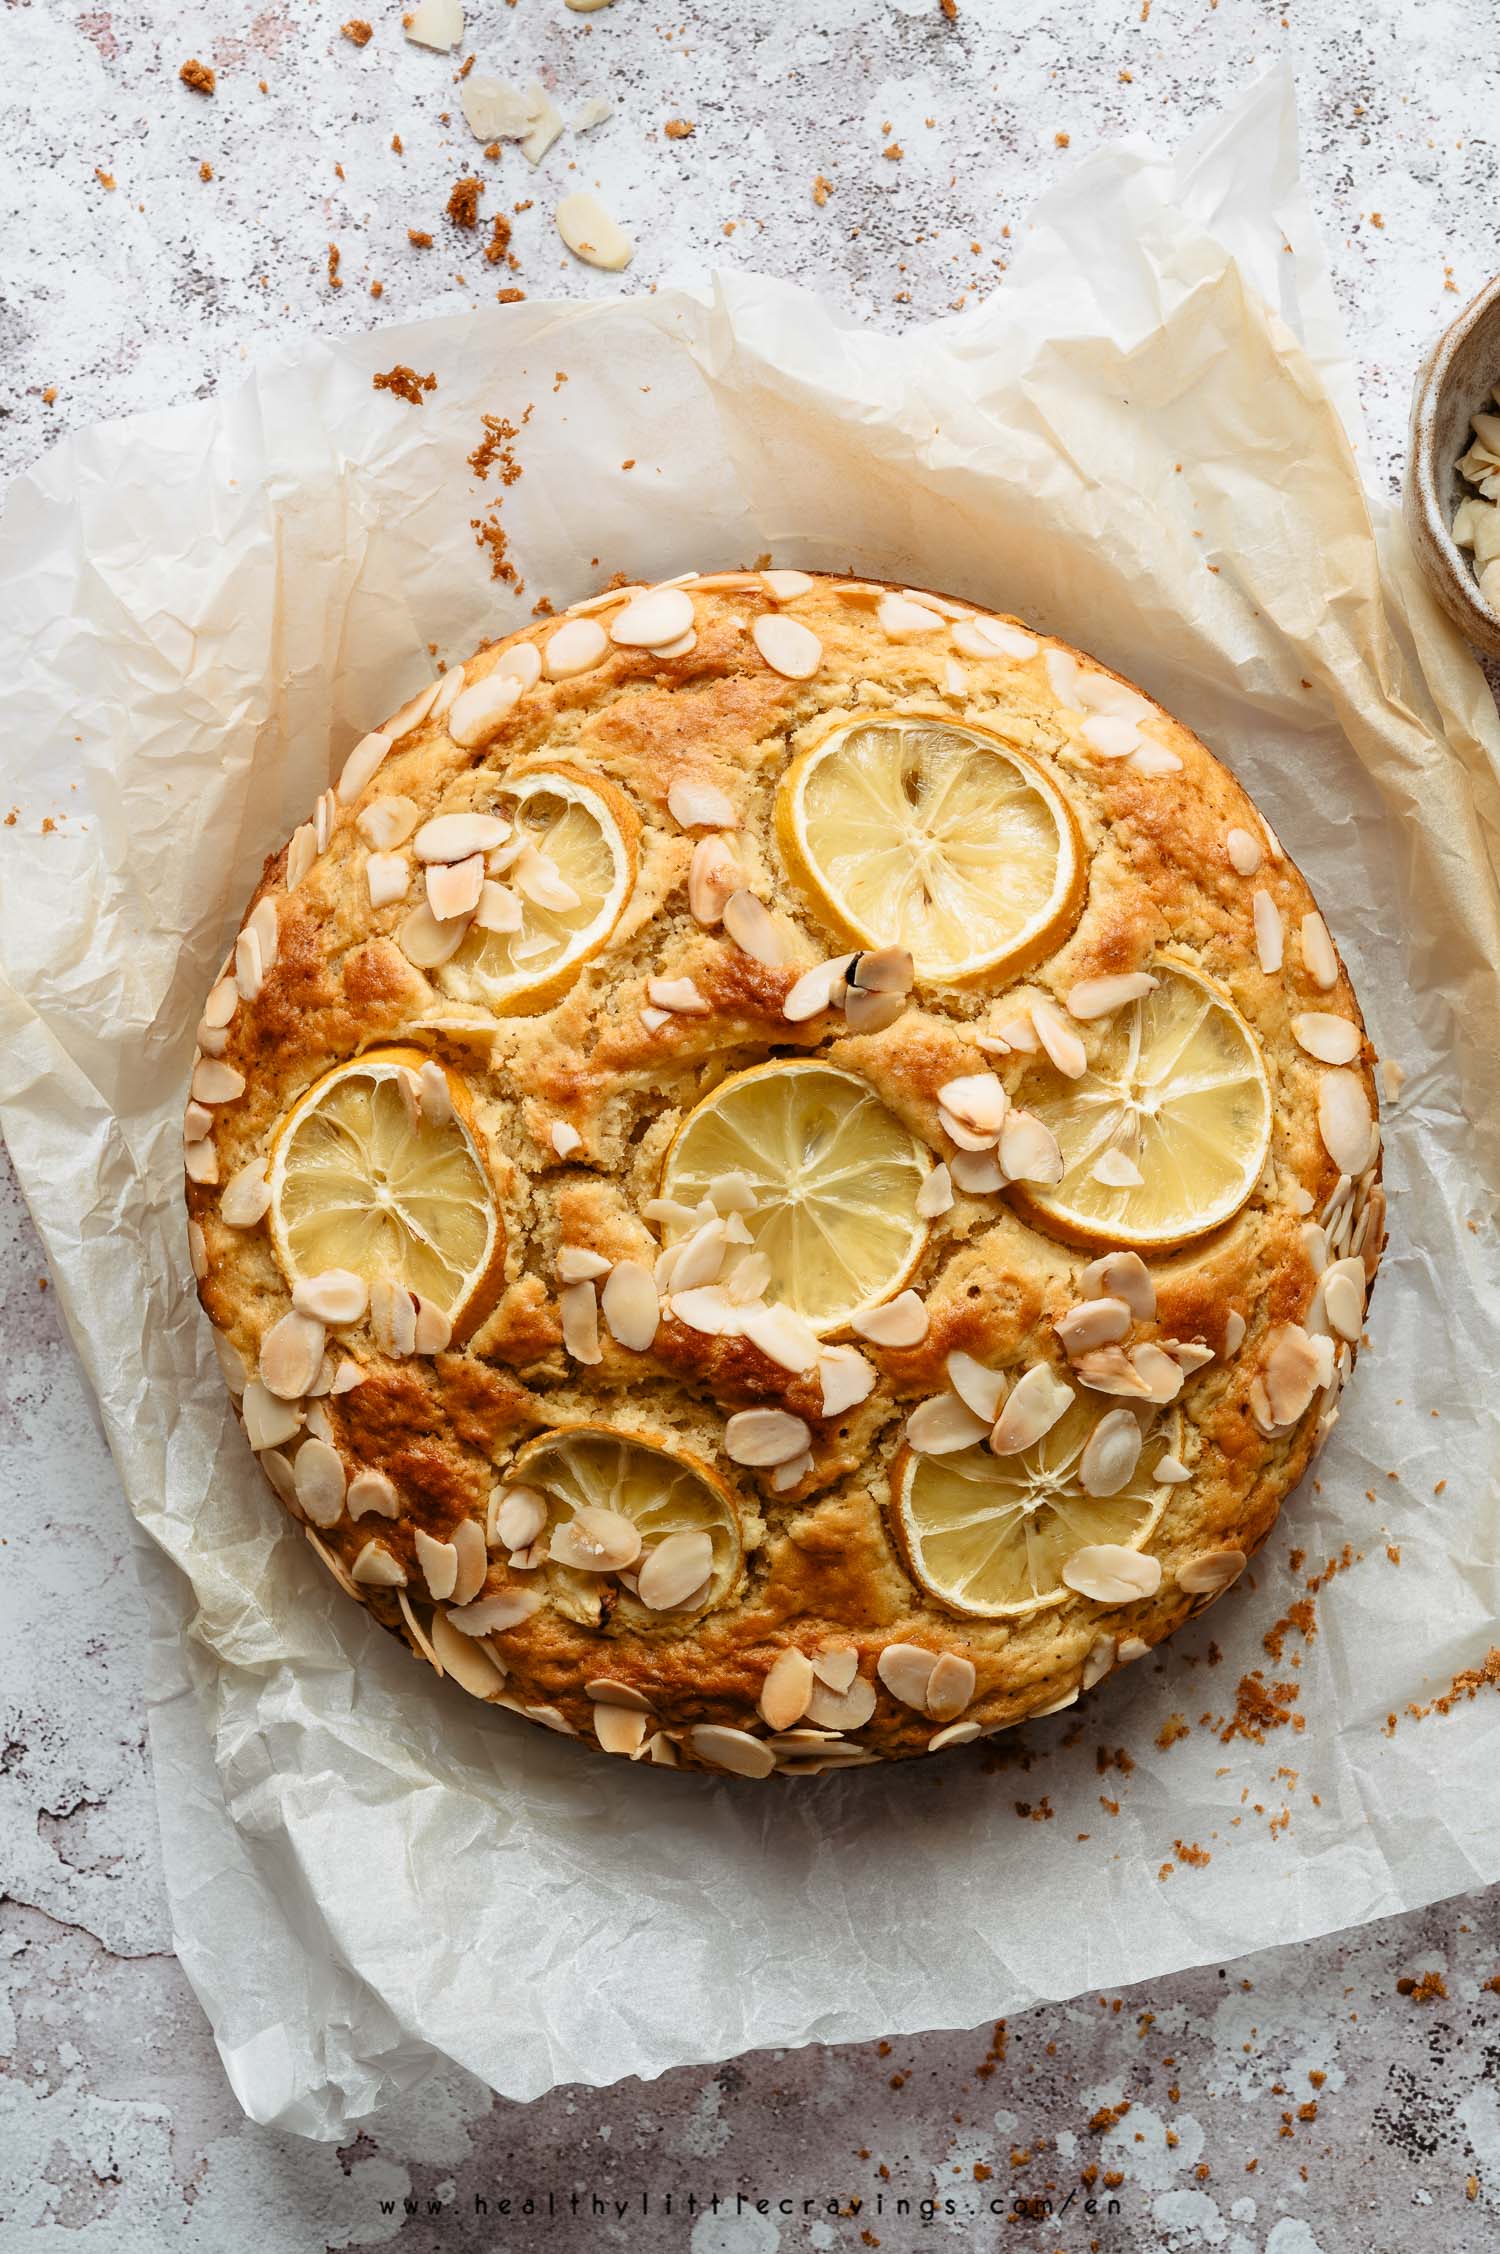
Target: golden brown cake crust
{"type": "Point", "coordinates": [821, 1571]}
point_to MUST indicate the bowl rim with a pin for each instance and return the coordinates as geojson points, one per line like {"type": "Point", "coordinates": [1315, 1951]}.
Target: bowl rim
{"type": "Point", "coordinates": [1446, 563]}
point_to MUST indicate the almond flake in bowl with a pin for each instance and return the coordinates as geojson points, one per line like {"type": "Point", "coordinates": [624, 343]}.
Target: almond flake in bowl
{"type": "Point", "coordinates": [770, 1199]}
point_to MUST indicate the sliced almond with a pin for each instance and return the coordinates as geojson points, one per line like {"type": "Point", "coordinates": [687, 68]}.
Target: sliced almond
{"type": "Point", "coordinates": [630, 1306]}
{"type": "Point", "coordinates": [576, 647]}
{"type": "Point", "coordinates": [457, 837]}
{"type": "Point", "coordinates": [677, 1567]}
{"type": "Point", "coordinates": [1121, 1275]}
{"type": "Point", "coordinates": [1244, 851]}
{"type": "Point", "coordinates": [379, 1568]}
{"type": "Point", "coordinates": [579, 1308]}
{"type": "Point", "coordinates": [1318, 953]}
{"type": "Point", "coordinates": [387, 822]}
{"type": "Point", "coordinates": [1059, 1040]}
{"type": "Point", "coordinates": [1093, 1322]}
{"type": "Point", "coordinates": [1293, 1373]}
{"type": "Point", "coordinates": [714, 877]}
{"type": "Point", "coordinates": [1332, 1040]}
{"type": "Point", "coordinates": [1349, 1134]}
{"type": "Point", "coordinates": [1097, 1661]}
{"type": "Point", "coordinates": [678, 995]}
{"type": "Point", "coordinates": [899, 1322]}
{"type": "Point", "coordinates": [425, 941]}
{"type": "Point", "coordinates": [393, 1317]}
{"type": "Point", "coordinates": [735, 1750]}
{"type": "Point", "coordinates": [360, 768]}
{"type": "Point", "coordinates": [935, 1195]}
{"type": "Point", "coordinates": [945, 1423]}
{"type": "Point", "coordinates": [1099, 997]}
{"type": "Point", "coordinates": [520, 1515]}
{"type": "Point", "coordinates": [215, 1082]}
{"type": "Point", "coordinates": [1110, 1574]}
{"type": "Point", "coordinates": [1270, 933]}
{"type": "Point", "coordinates": [1211, 1572]}
{"type": "Point", "coordinates": [782, 1335]}
{"type": "Point", "coordinates": [245, 1196]}
{"type": "Point", "coordinates": [661, 615]}
{"type": "Point", "coordinates": [981, 1390]}
{"type": "Point", "coordinates": [902, 620]}
{"type": "Point", "coordinates": [788, 647]}
{"type": "Point", "coordinates": [950, 1687]}
{"type": "Point", "coordinates": [1035, 1403]}
{"type": "Point", "coordinates": [1344, 1298]}
{"type": "Point", "coordinates": [270, 1421]}
{"type": "Point", "coordinates": [978, 1099]}
{"type": "Point", "coordinates": [619, 1729]}
{"type": "Point", "coordinates": [1029, 1151]}
{"type": "Point", "coordinates": [786, 586]}
{"type": "Point", "coordinates": [990, 638]}
{"type": "Point", "coordinates": [845, 1378]}
{"type": "Point", "coordinates": [750, 925]}
{"type": "Point", "coordinates": [336, 1295]}
{"type": "Point", "coordinates": [291, 1355]}
{"type": "Point", "coordinates": [492, 1616]}
{"type": "Point", "coordinates": [786, 1690]}
{"type": "Point", "coordinates": [700, 806]}
{"type": "Point", "coordinates": [763, 1437]}
{"type": "Point", "coordinates": [439, 1563]}
{"type": "Point", "coordinates": [591, 234]}
{"type": "Point", "coordinates": [816, 990]}
{"type": "Point", "coordinates": [871, 1013]}
{"type": "Point", "coordinates": [1112, 1453]}
{"type": "Point", "coordinates": [595, 1540]}
{"type": "Point", "coordinates": [906, 1670]}
{"type": "Point", "coordinates": [842, 1710]}
{"type": "Point", "coordinates": [372, 1491]}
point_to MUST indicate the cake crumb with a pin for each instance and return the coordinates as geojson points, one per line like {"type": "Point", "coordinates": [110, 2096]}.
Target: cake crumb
{"type": "Point", "coordinates": [197, 76]}
{"type": "Point", "coordinates": [404, 381]}
{"type": "Point", "coordinates": [463, 202]}
{"type": "Point", "coordinates": [358, 32]}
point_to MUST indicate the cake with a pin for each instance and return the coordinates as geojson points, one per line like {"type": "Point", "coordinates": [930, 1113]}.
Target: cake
{"type": "Point", "coordinates": [785, 1173]}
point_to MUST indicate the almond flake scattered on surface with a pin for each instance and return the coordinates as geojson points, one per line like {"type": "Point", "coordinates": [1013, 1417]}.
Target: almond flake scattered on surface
{"type": "Point", "coordinates": [438, 24]}
{"type": "Point", "coordinates": [590, 233]}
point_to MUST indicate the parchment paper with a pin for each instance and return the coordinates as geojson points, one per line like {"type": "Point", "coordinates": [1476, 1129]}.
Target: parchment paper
{"type": "Point", "coordinates": [1142, 441]}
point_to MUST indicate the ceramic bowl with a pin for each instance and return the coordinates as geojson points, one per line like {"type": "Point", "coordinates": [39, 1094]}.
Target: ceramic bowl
{"type": "Point", "coordinates": [1457, 377]}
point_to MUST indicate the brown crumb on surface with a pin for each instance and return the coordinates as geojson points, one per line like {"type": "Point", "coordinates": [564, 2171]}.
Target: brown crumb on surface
{"type": "Point", "coordinates": [1424, 1989]}
{"type": "Point", "coordinates": [197, 76]}
{"type": "Point", "coordinates": [1063, 140]}
{"type": "Point", "coordinates": [404, 382]}
{"type": "Point", "coordinates": [377, 289]}
{"type": "Point", "coordinates": [497, 445]}
{"type": "Point", "coordinates": [950, 9]}
{"type": "Point", "coordinates": [421, 240]}
{"type": "Point", "coordinates": [463, 202]}
{"type": "Point", "coordinates": [1302, 1616]}
{"type": "Point", "coordinates": [397, 145]}
{"type": "Point", "coordinates": [49, 396]}
{"type": "Point", "coordinates": [1376, 220]}
{"type": "Point", "coordinates": [333, 267]}
{"type": "Point", "coordinates": [1260, 1706]}
{"type": "Point", "coordinates": [509, 297]}
{"type": "Point", "coordinates": [894, 151]}
{"type": "Point", "coordinates": [822, 189]}
{"type": "Point", "coordinates": [499, 243]}
{"type": "Point", "coordinates": [358, 32]}
{"type": "Point", "coordinates": [679, 128]}
{"type": "Point", "coordinates": [1466, 1684]}
{"type": "Point", "coordinates": [105, 179]}
{"type": "Point", "coordinates": [205, 170]}
{"type": "Point", "coordinates": [1174, 1727]}
{"type": "Point", "coordinates": [1188, 1851]}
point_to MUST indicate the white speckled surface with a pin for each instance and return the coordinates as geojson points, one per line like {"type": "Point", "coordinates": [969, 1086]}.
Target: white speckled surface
{"type": "Point", "coordinates": [116, 2126]}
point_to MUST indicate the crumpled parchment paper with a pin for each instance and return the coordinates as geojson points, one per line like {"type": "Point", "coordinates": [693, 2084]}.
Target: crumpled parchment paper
{"type": "Point", "coordinates": [1142, 440]}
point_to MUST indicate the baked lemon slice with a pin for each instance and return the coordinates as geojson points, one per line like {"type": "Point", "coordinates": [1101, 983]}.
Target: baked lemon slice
{"type": "Point", "coordinates": [566, 873]}
{"type": "Point", "coordinates": [918, 833]}
{"type": "Point", "coordinates": [661, 1492]}
{"type": "Point", "coordinates": [1165, 1134]}
{"type": "Point", "coordinates": [834, 1174]}
{"type": "Point", "coordinates": [368, 1174]}
{"type": "Point", "coordinates": [989, 1535]}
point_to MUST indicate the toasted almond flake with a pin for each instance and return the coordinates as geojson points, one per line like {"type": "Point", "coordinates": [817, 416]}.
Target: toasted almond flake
{"type": "Point", "coordinates": [729, 1193]}
{"type": "Point", "coordinates": [1110, 1574]}
{"type": "Point", "coordinates": [565, 1138]}
{"type": "Point", "coordinates": [619, 1729]}
{"type": "Point", "coordinates": [372, 1491]}
{"type": "Point", "coordinates": [1151, 758]}
{"type": "Point", "coordinates": [1112, 1453]}
{"type": "Point", "coordinates": [660, 615]}
{"type": "Point", "coordinates": [387, 822]}
{"type": "Point", "coordinates": [871, 1013]}
{"type": "Point", "coordinates": [457, 837]}
{"type": "Point", "coordinates": [196, 1122]}
{"type": "Point", "coordinates": [1244, 851]}
{"type": "Point", "coordinates": [906, 1670]}
{"type": "Point", "coordinates": [336, 1295]}
{"type": "Point", "coordinates": [270, 1421]}
{"type": "Point", "coordinates": [223, 1001]}
{"type": "Point", "coordinates": [977, 1172]}
{"type": "Point", "coordinates": [547, 123]}
{"type": "Point", "coordinates": [841, 1710]}
{"type": "Point", "coordinates": [630, 1305]}
{"type": "Point", "coordinates": [697, 1259]}
{"type": "Point", "coordinates": [750, 925]}
{"type": "Point", "coordinates": [590, 233]}
{"type": "Point", "coordinates": [492, 1616]}
{"type": "Point", "coordinates": [936, 1194]}
{"type": "Point", "coordinates": [883, 970]}
{"type": "Point", "coordinates": [837, 1667]}
{"type": "Point", "coordinates": [956, 1733]}
{"type": "Point", "coordinates": [786, 1690]}
{"type": "Point", "coordinates": [1099, 997]}
{"type": "Point", "coordinates": [595, 1540]}
{"type": "Point", "coordinates": [1058, 1039]}
{"type": "Point", "coordinates": [786, 586]}
{"type": "Point", "coordinates": [1029, 1151]}
{"type": "Point", "coordinates": [1160, 1373]}
{"type": "Point", "coordinates": [1349, 1134]}
{"type": "Point", "coordinates": [453, 889]}
{"type": "Point", "coordinates": [471, 1666]}
{"type": "Point", "coordinates": [659, 1751]}
{"type": "Point", "coordinates": [1315, 1245]}
{"type": "Point", "coordinates": [845, 1378]}
{"type": "Point", "coordinates": [782, 1335]}
{"type": "Point", "coordinates": [201, 1163]}
{"type": "Point", "coordinates": [1188, 1353]}
{"type": "Point", "coordinates": [579, 1307]}
{"type": "Point", "coordinates": [1093, 1322]}
{"type": "Point", "coordinates": [1121, 1275]}
{"type": "Point", "coordinates": [325, 814]}
{"type": "Point", "coordinates": [1211, 1572]}
{"type": "Point", "coordinates": [1234, 1331]}
{"type": "Point", "coordinates": [967, 1138]}
{"type": "Point", "coordinates": [1293, 1373]}
{"type": "Point", "coordinates": [231, 1364]}
{"type": "Point", "coordinates": [708, 1309]}
{"type": "Point", "coordinates": [610, 1692]}
{"type": "Point", "coordinates": [676, 1569]}
{"type": "Point", "coordinates": [319, 1479]}
{"type": "Point", "coordinates": [955, 680]}
{"type": "Point", "coordinates": [426, 942]}
{"type": "Point", "coordinates": [1062, 678]}
{"type": "Point", "coordinates": [197, 1251]}
{"type": "Point", "coordinates": [520, 1515]}
{"type": "Point", "coordinates": [249, 966]}
{"type": "Point", "coordinates": [449, 687]}
{"type": "Point", "coordinates": [439, 1563]}
{"type": "Point", "coordinates": [216, 1083]}
{"type": "Point", "coordinates": [434, 23]}
{"type": "Point", "coordinates": [1269, 932]}
{"type": "Point", "coordinates": [714, 877]}
{"type": "Point", "coordinates": [764, 1437]}
{"type": "Point", "coordinates": [942, 1425]}
{"type": "Point", "coordinates": [748, 1280]}
{"type": "Point", "coordinates": [319, 1421]}
{"type": "Point", "coordinates": [1171, 1471]}
{"type": "Point", "coordinates": [977, 1099]}
{"type": "Point", "coordinates": [1035, 1403]}
{"type": "Point", "coordinates": [700, 806]}
{"type": "Point", "coordinates": [388, 878]}
{"type": "Point", "coordinates": [291, 1354]}
{"type": "Point", "coordinates": [678, 995]}
{"type": "Point", "coordinates": [379, 1568]}
{"type": "Point", "coordinates": [901, 1321]}
{"type": "Point", "coordinates": [1116, 1171]}
{"type": "Point", "coordinates": [576, 647]}
{"type": "Point", "coordinates": [991, 637]}
{"type": "Point", "coordinates": [788, 647]}
{"type": "Point", "coordinates": [789, 1475]}
{"type": "Point", "coordinates": [981, 1390]}
{"type": "Point", "coordinates": [1344, 1298]}
{"type": "Point", "coordinates": [1111, 735]}
{"type": "Point", "coordinates": [494, 111]}
{"type": "Point", "coordinates": [1018, 1033]}
{"type": "Point", "coordinates": [278, 1469]}
{"type": "Point", "coordinates": [735, 1750]}
{"type": "Point", "coordinates": [432, 1331]}
{"type": "Point", "coordinates": [816, 990]}
{"type": "Point", "coordinates": [300, 854]}
{"type": "Point", "coordinates": [363, 763]}
{"type": "Point", "coordinates": [1318, 953]}
{"type": "Point", "coordinates": [410, 715]}
{"type": "Point", "coordinates": [950, 1687]}
{"type": "Point", "coordinates": [901, 620]}
{"type": "Point", "coordinates": [393, 1317]}
{"type": "Point", "coordinates": [1331, 1039]}
{"type": "Point", "coordinates": [575, 1265]}
{"type": "Point", "coordinates": [538, 876]}
{"type": "Point", "coordinates": [1098, 1660]}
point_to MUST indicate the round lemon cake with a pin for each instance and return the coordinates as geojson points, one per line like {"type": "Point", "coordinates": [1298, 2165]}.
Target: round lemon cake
{"type": "Point", "coordinates": [785, 1173]}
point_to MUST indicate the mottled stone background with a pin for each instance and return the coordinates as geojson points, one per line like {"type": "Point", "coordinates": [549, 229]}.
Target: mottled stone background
{"type": "Point", "coordinates": [1295, 2103]}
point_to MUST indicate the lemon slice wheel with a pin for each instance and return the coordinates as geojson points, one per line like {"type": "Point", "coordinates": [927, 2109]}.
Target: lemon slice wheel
{"type": "Point", "coordinates": [835, 1176]}
{"type": "Point", "coordinates": [659, 1489]}
{"type": "Point", "coordinates": [1177, 1087]}
{"type": "Point", "coordinates": [918, 833]}
{"type": "Point", "coordinates": [989, 1535]}
{"type": "Point", "coordinates": [357, 1182]}
{"type": "Point", "coordinates": [587, 833]}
